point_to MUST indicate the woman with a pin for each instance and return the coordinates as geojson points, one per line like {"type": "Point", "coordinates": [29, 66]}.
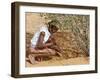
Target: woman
{"type": "Point", "coordinates": [43, 42]}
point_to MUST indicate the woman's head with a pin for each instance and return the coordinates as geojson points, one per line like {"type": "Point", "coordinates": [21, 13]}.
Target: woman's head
{"type": "Point", "coordinates": [53, 26]}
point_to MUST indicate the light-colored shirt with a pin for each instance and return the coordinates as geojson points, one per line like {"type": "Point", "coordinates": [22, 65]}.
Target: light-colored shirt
{"type": "Point", "coordinates": [36, 36]}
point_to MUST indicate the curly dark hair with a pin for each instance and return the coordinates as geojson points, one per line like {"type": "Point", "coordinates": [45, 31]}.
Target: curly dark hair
{"type": "Point", "coordinates": [53, 25]}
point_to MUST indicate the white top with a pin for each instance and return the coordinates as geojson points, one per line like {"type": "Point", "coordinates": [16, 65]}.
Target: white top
{"type": "Point", "coordinates": [36, 36]}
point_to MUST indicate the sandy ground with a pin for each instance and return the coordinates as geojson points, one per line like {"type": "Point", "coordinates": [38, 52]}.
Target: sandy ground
{"type": "Point", "coordinates": [60, 62]}
{"type": "Point", "coordinates": [33, 22]}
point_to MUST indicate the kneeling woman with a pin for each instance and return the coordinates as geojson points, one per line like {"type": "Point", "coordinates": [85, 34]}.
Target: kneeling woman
{"type": "Point", "coordinates": [43, 43]}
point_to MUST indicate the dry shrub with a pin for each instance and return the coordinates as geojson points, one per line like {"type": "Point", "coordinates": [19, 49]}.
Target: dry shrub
{"type": "Point", "coordinates": [66, 41]}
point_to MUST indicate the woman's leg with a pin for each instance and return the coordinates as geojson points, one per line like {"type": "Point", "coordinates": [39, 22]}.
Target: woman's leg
{"type": "Point", "coordinates": [37, 55]}
{"type": "Point", "coordinates": [46, 51]}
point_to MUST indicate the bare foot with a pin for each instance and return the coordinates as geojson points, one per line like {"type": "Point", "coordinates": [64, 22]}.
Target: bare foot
{"type": "Point", "coordinates": [32, 59]}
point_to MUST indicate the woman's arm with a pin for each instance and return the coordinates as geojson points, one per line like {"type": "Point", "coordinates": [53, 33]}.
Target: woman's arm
{"type": "Point", "coordinates": [40, 44]}
{"type": "Point", "coordinates": [52, 44]}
